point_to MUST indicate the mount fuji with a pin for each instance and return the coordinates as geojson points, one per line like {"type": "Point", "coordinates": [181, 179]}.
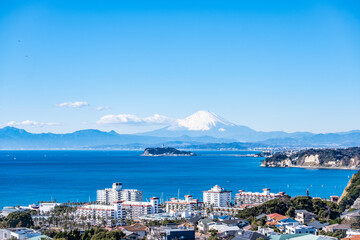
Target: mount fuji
{"type": "Point", "coordinates": [205, 123]}
{"type": "Point", "coordinates": [201, 130]}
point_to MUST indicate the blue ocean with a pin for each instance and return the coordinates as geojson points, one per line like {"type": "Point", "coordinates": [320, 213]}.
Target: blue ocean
{"type": "Point", "coordinates": [30, 176]}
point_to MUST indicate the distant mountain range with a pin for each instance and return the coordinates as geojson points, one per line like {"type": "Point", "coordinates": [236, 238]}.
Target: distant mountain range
{"type": "Point", "coordinates": [201, 130]}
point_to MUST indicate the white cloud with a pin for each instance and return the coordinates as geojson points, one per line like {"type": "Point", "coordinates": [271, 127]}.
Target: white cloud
{"type": "Point", "coordinates": [100, 108]}
{"type": "Point", "coordinates": [77, 104]}
{"type": "Point", "coordinates": [158, 119]}
{"type": "Point", "coordinates": [29, 123]}
{"type": "Point", "coordinates": [132, 119]}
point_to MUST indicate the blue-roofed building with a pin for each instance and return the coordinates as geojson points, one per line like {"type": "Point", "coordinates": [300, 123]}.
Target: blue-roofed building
{"type": "Point", "coordinates": [225, 217]}
{"type": "Point", "coordinates": [288, 220]}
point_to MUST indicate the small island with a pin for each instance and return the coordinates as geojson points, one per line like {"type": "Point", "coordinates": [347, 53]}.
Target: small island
{"type": "Point", "coordinates": [165, 151]}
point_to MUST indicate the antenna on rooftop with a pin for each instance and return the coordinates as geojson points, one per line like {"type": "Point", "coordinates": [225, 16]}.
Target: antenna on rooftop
{"type": "Point", "coordinates": [178, 193]}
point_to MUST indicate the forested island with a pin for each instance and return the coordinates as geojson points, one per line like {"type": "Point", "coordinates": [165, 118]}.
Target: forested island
{"type": "Point", "coordinates": [347, 158]}
{"type": "Point", "coordinates": [165, 151]}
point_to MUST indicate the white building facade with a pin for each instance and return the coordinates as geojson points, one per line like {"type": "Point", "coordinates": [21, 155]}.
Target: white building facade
{"type": "Point", "coordinates": [217, 197]}
{"type": "Point", "coordinates": [18, 233]}
{"type": "Point", "coordinates": [117, 193]}
{"type": "Point", "coordinates": [100, 214]}
{"type": "Point", "coordinates": [243, 197]}
{"type": "Point", "coordinates": [188, 204]}
{"type": "Point", "coordinates": [136, 209]}
{"type": "Point", "coordinates": [47, 207]}
{"type": "Point", "coordinates": [298, 229]}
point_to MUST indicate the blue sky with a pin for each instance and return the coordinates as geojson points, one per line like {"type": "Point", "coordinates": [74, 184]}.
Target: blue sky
{"type": "Point", "coordinates": [269, 65]}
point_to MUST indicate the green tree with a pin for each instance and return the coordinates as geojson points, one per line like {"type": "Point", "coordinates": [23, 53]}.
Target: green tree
{"type": "Point", "coordinates": [18, 219]}
{"type": "Point", "coordinates": [213, 234]}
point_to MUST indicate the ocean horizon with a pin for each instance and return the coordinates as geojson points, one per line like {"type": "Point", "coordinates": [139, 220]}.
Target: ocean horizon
{"type": "Point", "coordinates": [27, 177]}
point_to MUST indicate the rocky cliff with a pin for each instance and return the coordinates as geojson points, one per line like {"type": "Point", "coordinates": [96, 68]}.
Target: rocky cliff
{"type": "Point", "coordinates": [348, 158]}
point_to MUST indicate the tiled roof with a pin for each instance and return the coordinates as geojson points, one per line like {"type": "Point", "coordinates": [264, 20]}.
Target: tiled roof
{"type": "Point", "coordinates": [137, 227]}
{"type": "Point", "coordinates": [276, 216]}
{"type": "Point", "coordinates": [354, 237]}
{"type": "Point", "coordinates": [272, 223]}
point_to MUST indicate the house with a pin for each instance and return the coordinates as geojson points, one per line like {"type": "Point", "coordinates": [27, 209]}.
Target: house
{"type": "Point", "coordinates": [288, 220]}
{"type": "Point", "coordinates": [249, 235]}
{"type": "Point", "coordinates": [18, 233]}
{"type": "Point", "coordinates": [303, 216]}
{"type": "Point", "coordinates": [204, 224]}
{"type": "Point", "coordinates": [298, 229]}
{"type": "Point", "coordinates": [223, 218]}
{"type": "Point", "coordinates": [267, 231]}
{"type": "Point", "coordinates": [272, 223]}
{"type": "Point", "coordinates": [250, 227]}
{"type": "Point", "coordinates": [337, 227]}
{"type": "Point", "coordinates": [235, 222]}
{"type": "Point", "coordinates": [137, 228]}
{"type": "Point", "coordinates": [354, 237]}
{"type": "Point", "coordinates": [130, 235]}
{"type": "Point", "coordinates": [223, 230]}
{"type": "Point", "coordinates": [318, 225]}
{"type": "Point", "coordinates": [283, 223]}
{"type": "Point", "coordinates": [194, 220]}
{"type": "Point", "coordinates": [275, 217]}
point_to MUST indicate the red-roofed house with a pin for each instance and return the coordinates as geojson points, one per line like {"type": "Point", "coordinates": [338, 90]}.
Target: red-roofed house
{"type": "Point", "coordinates": [275, 217]}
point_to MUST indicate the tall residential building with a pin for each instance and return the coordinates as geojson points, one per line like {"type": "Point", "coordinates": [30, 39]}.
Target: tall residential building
{"type": "Point", "coordinates": [117, 193]}
{"type": "Point", "coordinates": [100, 214]}
{"type": "Point", "coordinates": [188, 204]}
{"type": "Point", "coordinates": [137, 209]}
{"type": "Point", "coordinates": [217, 197]}
{"type": "Point", "coordinates": [256, 197]}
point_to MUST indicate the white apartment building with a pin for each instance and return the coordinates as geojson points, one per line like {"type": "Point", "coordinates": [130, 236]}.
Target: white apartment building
{"type": "Point", "coordinates": [47, 207]}
{"type": "Point", "coordinates": [188, 204]}
{"type": "Point", "coordinates": [136, 209]}
{"type": "Point", "coordinates": [98, 214]}
{"type": "Point", "coordinates": [117, 193]}
{"type": "Point", "coordinates": [217, 197]}
{"type": "Point", "coordinates": [256, 197]}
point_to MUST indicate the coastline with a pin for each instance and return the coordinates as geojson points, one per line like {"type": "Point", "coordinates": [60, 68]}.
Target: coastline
{"type": "Point", "coordinates": [313, 167]}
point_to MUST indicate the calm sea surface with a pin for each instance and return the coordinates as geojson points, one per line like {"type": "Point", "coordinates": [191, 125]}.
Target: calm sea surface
{"type": "Point", "coordinates": [30, 176]}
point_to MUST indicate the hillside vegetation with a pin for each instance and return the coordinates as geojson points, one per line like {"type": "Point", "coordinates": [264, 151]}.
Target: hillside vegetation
{"type": "Point", "coordinates": [331, 158]}
{"type": "Point", "coordinates": [351, 192]}
{"type": "Point", "coordinates": [287, 206]}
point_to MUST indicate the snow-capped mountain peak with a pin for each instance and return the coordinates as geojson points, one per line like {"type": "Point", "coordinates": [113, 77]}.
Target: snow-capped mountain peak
{"type": "Point", "coordinates": [202, 121]}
